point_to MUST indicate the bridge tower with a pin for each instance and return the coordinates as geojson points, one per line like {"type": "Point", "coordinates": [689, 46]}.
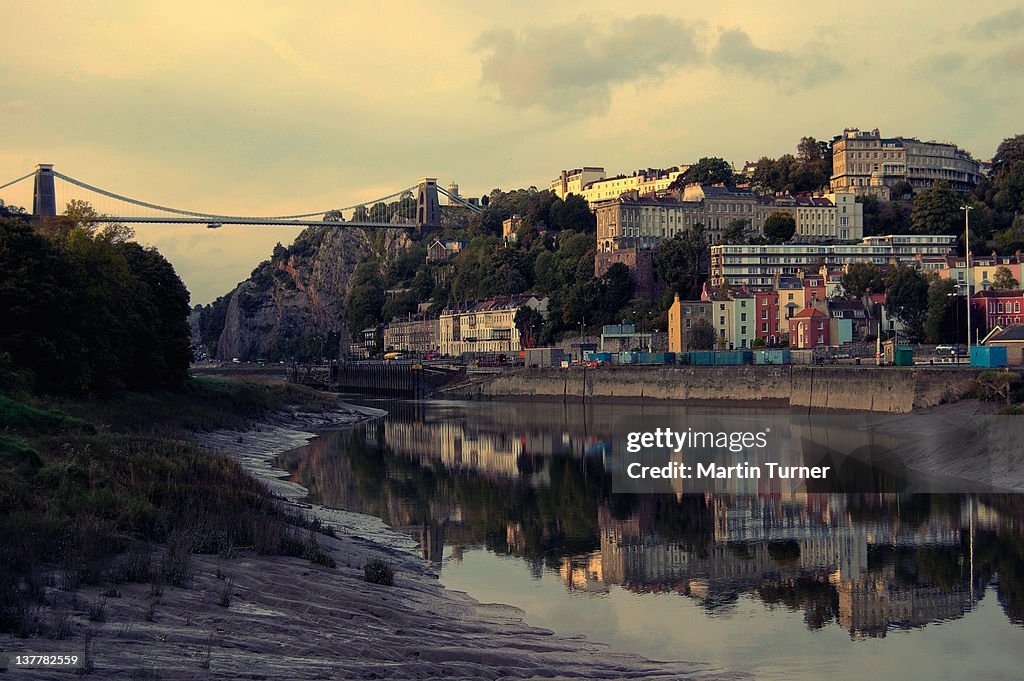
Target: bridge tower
{"type": "Point", "coordinates": [44, 199]}
{"type": "Point", "coordinates": [428, 209]}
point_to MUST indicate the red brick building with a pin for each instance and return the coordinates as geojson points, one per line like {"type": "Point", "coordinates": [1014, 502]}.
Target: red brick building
{"type": "Point", "coordinates": [766, 311]}
{"type": "Point", "coordinates": [809, 329]}
{"type": "Point", "coordinates": [1000, 308]}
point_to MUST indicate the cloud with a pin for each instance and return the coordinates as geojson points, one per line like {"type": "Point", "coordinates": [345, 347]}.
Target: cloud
{"type": "Point", "coordinates": [998, 25]}
{"type": "Point", "coordinates": [940, 65]}
{"type": "Point", "coordinates": [574, 66]}
{"type": "Point", "coordinates": [799, 69]}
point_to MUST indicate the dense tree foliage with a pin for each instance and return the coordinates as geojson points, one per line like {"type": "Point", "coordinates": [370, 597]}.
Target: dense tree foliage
{"type": "Point", "coordinates": [937, 211]}
{"type": "Point", "coordinates": [779, 227]}
{"type": "Point", "coordinates": [681, 263]}
{"type": "Point", "coordinates": [88, 309]}
{"type": "Point", "coordinates": [861, 278]}
{"type": "Point", "coordinates": [365, 304]}
{"type": "Point", "coordinates": [884, 217]}
{"type": "Point", "coordinates": [1007, 179]}
{"type": "Point", "coordinates": [907, 299]}
{"type": "Point", "coordinates": [1003, 279]}
{"type": "Point", "coordinates": [808, 171]}
{"type": "Point", "coordinates": [707, 170]}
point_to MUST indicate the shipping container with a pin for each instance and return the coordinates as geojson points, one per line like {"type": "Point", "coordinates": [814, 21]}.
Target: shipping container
{"type": "Point", "coordinates": [543, 357]}
{"type": "Point", "coordinates": [904, 356]}
{"type": "Point", "coordinates": [733, 357]}
{"type": "Point", "coordinates": [628, 357]}
{"type": "Point", "coordinates": [988, 356]}
{"type": "Point", "coordinates": [702, 358]}
{"type": "Point", "coordinates": [605, 357]}
{"type": "Point", "coordinates": [775, 356]}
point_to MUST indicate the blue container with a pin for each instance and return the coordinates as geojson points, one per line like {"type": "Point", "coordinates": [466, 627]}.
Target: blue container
{"type": "Point", "coordinates": [702, 358]}
{"type": "Point", "coordinates": [628, 357]}
{"type": "Point", "coordinates": [605, 357]}
{"type": "Point", "coordinates": [988, 356]}
{"type": "Point", "coordinates": [733, 357]}
{"type": "Point", "coordinates": [776, 356]}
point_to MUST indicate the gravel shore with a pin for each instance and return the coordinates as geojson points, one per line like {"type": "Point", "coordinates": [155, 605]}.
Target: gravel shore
{"type": "Point", "coordinates": [264, 617]}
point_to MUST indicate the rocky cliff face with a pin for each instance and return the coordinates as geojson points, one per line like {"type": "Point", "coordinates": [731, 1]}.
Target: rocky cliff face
{"type": "Point", "coordinates": [297, 298]}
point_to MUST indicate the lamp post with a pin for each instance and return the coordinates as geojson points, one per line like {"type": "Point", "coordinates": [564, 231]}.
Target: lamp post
{"type": "Point", "coordinates": [956, 323]}
{"type": "Point", "coordinates": [967, 252]}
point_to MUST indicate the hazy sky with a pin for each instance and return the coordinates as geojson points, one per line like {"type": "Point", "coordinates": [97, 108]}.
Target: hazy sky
{"type": "Point", "coordinates": [271, 108]}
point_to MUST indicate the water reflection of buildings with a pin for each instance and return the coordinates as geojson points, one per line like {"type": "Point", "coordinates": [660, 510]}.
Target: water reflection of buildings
{"type": "Point", "coordinates": [768, 541]}
{"type": "Point", "coordinates": [492, 447]}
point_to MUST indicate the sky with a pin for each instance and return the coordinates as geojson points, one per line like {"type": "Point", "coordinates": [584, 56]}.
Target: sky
{"type": "Point", "coordinates": [275, 108]}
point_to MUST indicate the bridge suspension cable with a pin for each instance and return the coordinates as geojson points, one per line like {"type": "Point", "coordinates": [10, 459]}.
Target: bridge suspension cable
{"type": "Point", "coordinates": [213, 216]}
{"type": "Point", "coordinates": [459, 200]}
{"type": "Point", "coordinates": [24, 177]}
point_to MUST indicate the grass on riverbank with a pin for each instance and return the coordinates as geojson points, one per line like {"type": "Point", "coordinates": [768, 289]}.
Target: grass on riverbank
{"type": "Point", "coordinates": [89, 490]}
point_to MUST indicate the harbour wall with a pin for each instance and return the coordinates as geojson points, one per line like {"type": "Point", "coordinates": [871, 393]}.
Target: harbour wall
{"type": "Point", "coordinates": [876, 389]}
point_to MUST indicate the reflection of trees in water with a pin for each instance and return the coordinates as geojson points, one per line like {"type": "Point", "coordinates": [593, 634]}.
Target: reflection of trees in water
{"type": "Point", "coordinates": [814, 595]}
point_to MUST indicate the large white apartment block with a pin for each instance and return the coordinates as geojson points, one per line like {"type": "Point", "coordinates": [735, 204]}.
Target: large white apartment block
{"type": "Point", "coordinates": [592, 185]}
{"type": "Point", "coordinates": [754, 267]}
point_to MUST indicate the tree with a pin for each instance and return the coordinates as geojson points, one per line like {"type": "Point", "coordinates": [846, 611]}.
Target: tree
{"type": "Point", "coordinates": [681, 262]}
{"type": "Point", "coordinates": [707, 170]}
{"type": "Point", "coordinates": [360, 214]}
{"type": "Point", "coordinates": [884, 217]}
{"type": "Point", "coordinates": [1003, 279]}
{"type": "Point", "coordinates": [618, 287]}
{"type": "Point", "coordinates": [572, 214]}
{"type": "Point", "coordinates": [1007, 175]}
{"type": "Point", "coordinates": [365, 302]}
{"type": "Point", "coordinates": [906, 298]}
{"type": "Point", "coordinates": [860, 278]}
{"type": "Point", "coordinates": [701, 335]}
{"type": "Point", "coordinates": [937, 211]}
{"type": "Point", "coordinates": [528, 322]}
{"type": "Point", "coordinates": [779, 227]}
{"type": "Point", "coordinates": [939, 325]}
{"type": "Point", "coordinates": [736, 232]}
{"type": "Point", "coordinates": [901, 190]}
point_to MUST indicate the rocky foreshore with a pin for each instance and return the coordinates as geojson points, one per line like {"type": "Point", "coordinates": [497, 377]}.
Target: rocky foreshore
{"type": "Point", "coordinates": [264, 617]}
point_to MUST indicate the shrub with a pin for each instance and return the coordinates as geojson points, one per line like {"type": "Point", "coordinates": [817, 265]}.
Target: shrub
{"type": "Point", "coordinates": [377, 571]}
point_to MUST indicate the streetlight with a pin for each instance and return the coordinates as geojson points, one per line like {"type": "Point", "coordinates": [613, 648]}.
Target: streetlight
{"type": "Point", "coordinates": [967, 251]}
{"type": "Point", "coordinates": [955, 295]}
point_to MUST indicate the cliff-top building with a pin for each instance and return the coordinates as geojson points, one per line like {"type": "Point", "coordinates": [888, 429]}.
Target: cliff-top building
{"type": "Point", "coordinates": [642, 223]}
{"type": "Point", "coordinates": [592, 184]}
{"type": "Point", "coordinates": [864, 162]}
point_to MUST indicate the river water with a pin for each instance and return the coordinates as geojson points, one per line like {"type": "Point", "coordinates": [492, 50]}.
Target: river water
{"type": "Point", "coordinates": [512, 504]}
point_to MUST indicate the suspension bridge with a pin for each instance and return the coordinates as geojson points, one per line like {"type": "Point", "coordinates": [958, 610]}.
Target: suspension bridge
{"type": "Point", "coordinates": [416, 207]}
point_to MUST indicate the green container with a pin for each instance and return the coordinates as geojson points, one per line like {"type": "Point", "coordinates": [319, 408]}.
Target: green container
{"type": "Point", "coordinates": [904, 356]}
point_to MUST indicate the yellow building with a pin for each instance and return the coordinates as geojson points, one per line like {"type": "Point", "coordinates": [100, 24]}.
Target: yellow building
{"type": "Point", "coordinates": [486, 326]}
{"type": "Point", "coordinates": [864, 162]}
{"type": "Point", "coordinates": [833, 217]}
{"type": "Point", "coordinates": [574, 181]}
{"type": "Point", "coordinates": [644, 223]}
{"type": "Point", "coordinates": [682, 315]}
